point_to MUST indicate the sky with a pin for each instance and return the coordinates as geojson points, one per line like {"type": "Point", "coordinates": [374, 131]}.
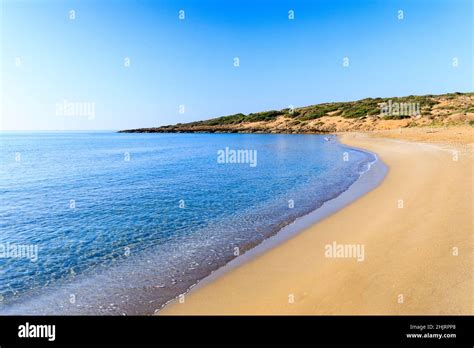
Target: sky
{"type": "Point", "coordinates": [113, 65]}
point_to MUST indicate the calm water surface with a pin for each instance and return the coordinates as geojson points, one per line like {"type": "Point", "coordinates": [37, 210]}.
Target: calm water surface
{"type": "Point", "coordinates": [125, 222]}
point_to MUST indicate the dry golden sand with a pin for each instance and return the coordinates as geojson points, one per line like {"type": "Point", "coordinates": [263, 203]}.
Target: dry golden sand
{"type": "Point", "coordinates": [461, 136]}
{"type": "Point", "coordinates": [408, 251]}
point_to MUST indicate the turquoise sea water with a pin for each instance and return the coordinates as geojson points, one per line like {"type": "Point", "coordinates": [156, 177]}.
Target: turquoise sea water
{"type": "Point", "coordinates": [125, 222]}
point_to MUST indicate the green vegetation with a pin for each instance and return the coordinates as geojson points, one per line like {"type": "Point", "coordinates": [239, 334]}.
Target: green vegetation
{"type": "Point", "coordinates": [224, 120]}
{"type": "Point", "coordinates": [318, 111]}
{"type": "Point", "coordinates": [239, 118]}
{"type": "Point", "coordinates": [361, 108]}
{"type": "Point", "coordinates": [264, 116]}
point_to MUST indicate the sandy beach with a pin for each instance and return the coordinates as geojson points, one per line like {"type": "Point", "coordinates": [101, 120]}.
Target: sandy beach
{"type": "Point", "coordinates": [416, 231]}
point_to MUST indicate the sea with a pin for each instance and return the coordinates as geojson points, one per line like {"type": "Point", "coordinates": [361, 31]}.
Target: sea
{"type": "Point", "coordinates": [108, 223]}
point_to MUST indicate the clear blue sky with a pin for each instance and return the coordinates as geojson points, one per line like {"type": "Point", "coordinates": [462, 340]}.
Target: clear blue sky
{"type": "Point", "coordinates": [190, 62]}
